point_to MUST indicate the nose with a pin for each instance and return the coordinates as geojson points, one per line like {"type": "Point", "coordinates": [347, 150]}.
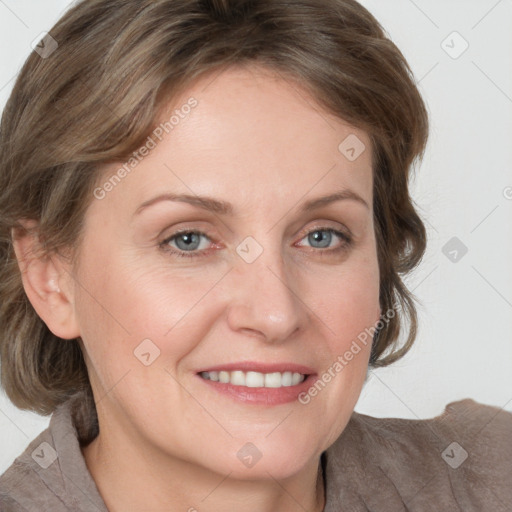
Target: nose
{"type": "Point", "coordinates": [264, 301]}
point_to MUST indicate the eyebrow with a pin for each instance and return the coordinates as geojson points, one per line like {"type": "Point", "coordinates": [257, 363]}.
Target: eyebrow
{"type": "Point", "coordinates": [226, 208]}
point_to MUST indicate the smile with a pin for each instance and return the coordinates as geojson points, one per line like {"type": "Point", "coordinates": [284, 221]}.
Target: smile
{"type": "Point", "coordinates": [252, 379]}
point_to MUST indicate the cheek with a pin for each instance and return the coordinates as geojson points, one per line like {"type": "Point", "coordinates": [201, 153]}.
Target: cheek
{"type": "Point", "coordinates": [349, 308]}
{"type": "Point", "coordinates": [120, 303]}
{"type": "Point", "coordinates": [348, 301]}
{"type": "Point", "coordinates": [350, 312]}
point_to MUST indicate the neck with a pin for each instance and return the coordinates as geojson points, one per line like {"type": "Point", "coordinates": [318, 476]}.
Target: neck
{"type": "Point", "coordinates": [132, 476]}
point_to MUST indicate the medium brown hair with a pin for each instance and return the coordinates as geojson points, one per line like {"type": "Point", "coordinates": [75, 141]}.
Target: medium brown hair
{"type": "Point", "coordinates": [95, 99]}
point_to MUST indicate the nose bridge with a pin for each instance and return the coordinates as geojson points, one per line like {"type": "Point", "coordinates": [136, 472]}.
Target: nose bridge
{"type": "Point", "coordinates": [265, 299]}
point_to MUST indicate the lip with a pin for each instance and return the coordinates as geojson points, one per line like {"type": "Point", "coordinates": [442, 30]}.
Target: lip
{"type": "Point", "coordinates": [260, 396]}
{"type": "Point", "coordinates": [249, 366]}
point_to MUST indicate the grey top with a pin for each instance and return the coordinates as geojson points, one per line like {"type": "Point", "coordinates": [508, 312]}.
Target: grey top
{"type": "Point", "coordinates": [460, 460]}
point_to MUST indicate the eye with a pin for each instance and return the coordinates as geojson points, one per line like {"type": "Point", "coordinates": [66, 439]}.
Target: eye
{"type": "Point", "coordinates": [321, 238]}
{"type": "Point", "coordinates": [186, 242]}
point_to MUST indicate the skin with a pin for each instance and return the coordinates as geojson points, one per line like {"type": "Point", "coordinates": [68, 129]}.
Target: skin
{"type": "Point", "coordinates": [262, 143]}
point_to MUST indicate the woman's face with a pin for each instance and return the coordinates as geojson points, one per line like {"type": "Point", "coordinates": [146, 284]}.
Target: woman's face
{"type": "Point", "coordinates": [256, 282]}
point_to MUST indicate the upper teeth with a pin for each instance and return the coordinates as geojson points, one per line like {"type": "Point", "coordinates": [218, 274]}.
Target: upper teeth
{"type": "Point", "coordinates": [255, 379]}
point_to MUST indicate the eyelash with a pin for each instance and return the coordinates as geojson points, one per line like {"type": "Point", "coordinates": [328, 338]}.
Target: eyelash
{"type": "Point", "coordinates": [164, 245]}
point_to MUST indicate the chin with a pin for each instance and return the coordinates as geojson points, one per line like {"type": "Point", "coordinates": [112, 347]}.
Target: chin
{"type": "Point", "coordinates": [273, 467]}
{"type": "Point", "coordinates": [266, 459]}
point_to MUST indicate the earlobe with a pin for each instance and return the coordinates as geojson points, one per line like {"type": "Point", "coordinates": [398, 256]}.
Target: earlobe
{"type": "Point", "coordinates": [47, 283]}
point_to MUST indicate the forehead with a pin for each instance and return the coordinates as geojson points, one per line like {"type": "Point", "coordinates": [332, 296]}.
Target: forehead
{"type": "Point", "coordinates": [252, 136]}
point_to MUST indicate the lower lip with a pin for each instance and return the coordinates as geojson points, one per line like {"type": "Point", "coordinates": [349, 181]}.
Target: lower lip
{"type": "Point", "coordinates": [261, 396]}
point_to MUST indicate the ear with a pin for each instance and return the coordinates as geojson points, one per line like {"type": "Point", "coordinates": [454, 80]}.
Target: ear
{"type": "Point", "coordinates": [47, 281]}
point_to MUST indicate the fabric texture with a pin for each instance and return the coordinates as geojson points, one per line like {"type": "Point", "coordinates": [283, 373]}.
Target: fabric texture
{"type": "Point", "coordinates": [460, 460]}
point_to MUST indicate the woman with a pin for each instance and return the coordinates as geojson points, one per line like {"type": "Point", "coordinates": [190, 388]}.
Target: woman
{"type": "Point", "coordinates": [205, 221]}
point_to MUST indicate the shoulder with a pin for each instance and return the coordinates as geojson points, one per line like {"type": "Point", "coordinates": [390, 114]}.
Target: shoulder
{"type": "Point", "coordinates": [21, 484]}
{"type": "Point", "coordinates": [51, 473]}
{"type": "Point", "coordinates": [478, 428]}
{"type": "Point", "coordinates": [461, 458]}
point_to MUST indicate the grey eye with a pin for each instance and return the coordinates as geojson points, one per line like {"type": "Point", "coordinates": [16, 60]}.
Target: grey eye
{"type": "Point", "coordinates": [320, 236]}
{"type": "Point", "coordinates": [188, 241]}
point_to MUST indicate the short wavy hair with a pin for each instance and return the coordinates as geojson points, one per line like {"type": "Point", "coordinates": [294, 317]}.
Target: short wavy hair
{"type": "Point", "coordinates": [95, 99]}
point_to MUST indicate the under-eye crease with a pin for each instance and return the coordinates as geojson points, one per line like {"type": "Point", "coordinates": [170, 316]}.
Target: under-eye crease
{"type": "Point", "coordinates": [346, 242]}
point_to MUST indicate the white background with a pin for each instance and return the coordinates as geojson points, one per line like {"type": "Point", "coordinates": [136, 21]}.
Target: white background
{"type": "Point", "coordinates": [464, 347]}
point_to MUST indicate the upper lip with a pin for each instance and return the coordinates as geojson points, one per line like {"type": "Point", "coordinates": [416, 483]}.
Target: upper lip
{"type": "Point", "coordinates": [249, 366]}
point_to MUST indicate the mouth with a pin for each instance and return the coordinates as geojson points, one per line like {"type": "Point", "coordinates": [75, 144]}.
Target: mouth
{"type": "Point", "coordinates": [255, 383]}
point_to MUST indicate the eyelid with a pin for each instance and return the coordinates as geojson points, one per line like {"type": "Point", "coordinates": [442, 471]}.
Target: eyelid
{"type": "Point", "coordinates": [187, 229]}
{"type": "Point", "coordinates": [326, 226]}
